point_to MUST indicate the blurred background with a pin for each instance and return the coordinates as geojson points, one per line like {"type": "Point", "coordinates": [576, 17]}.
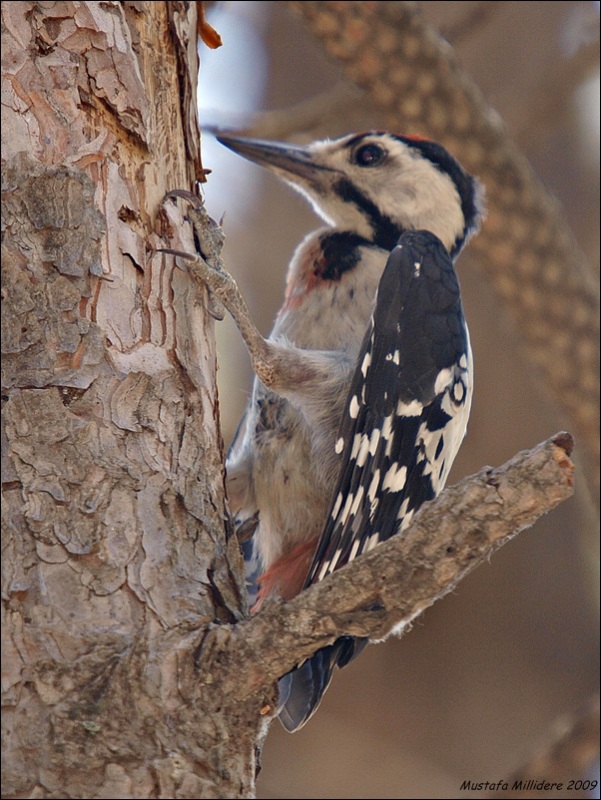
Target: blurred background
{"type": "Point", "coordinates": [475, 688]}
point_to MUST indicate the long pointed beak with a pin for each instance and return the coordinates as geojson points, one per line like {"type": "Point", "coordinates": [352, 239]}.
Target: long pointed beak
{"type": "Point", "coordinates": [290, 159]}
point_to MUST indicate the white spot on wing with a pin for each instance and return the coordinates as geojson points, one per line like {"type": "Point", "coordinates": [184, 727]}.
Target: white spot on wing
{"type": "Point", "coordinates": [373, 442]}
{"type": "Point", "coordinates": [395, 478]}
{"type": "Point", "coordinates": [373, 486]}
{"type": "Point", "coordinates": [363, 450]}
{"type": "Point", "coordinates": [458, 391]}
{"type": "Point", "coordinates": [344, 514]}
{"type": "Point", "coordinates": [403, 508]}
{"type": "Point", "coordinates": [354, 549]}
{"type": "Point", "coordinates": [334, 561]}
{"type": "Point", "coordinates": [412, 409]}
{"type": "Point", "coordinates": [443, 379]}
{"type": "Point", "coordinates": [339, 445]}
{"type": "Point", "coordinates": [323, 571]}
{"type": "Point", "coordinates": [388, 433]}
{"type": "Point", "coordinates": [337, 505]}
{"type": "Point", "coordinates": [357, 503]}
{"type": "Point", "coordinates": [406, 520]}
{"type": "Point", "coordinates": [354, 408]}
{"type": "Point", "coordinates": [365, 364]}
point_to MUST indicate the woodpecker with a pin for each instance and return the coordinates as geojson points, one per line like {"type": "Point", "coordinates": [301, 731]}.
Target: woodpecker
{"type": "Point", "coordinates": [364, 386]}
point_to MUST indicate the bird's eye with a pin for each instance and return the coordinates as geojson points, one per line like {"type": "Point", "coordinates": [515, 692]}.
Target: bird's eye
{"type": "Point", "coordinates": [368, 155]}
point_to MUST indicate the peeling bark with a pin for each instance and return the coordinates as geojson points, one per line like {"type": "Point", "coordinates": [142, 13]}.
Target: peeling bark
{"type": "Point", "coordinates": [114, 540]}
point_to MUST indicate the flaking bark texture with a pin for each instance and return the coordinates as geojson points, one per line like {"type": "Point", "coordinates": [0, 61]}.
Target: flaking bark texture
{"type": "Point", "coordinates": [114, 543]}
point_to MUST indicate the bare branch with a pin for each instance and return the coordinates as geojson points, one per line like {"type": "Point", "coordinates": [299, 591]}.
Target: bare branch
{"type": "Point", "coordinates": [308, 119]}
{"type": "Point", "coordinates": [390, 586]}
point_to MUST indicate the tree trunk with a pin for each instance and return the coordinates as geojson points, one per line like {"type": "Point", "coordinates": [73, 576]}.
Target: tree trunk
{"type": "Point", "coordinates": [115, 550]}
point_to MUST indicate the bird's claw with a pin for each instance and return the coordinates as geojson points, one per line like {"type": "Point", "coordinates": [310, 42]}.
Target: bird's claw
{"type": "Point", "coordinates": [208, 236]}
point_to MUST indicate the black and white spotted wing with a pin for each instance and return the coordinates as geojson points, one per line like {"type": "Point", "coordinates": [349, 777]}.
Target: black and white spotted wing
{"type": "Point", "coordinates": [408, 404]}
{"type": "Point", "coordinates": [405, 417]}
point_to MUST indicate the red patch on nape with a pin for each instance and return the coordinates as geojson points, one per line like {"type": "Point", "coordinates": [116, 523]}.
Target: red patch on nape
{"type": "Point", "coordinates": [285, 578]}
{"type": "Point", "coordinates": [307, 277]}
{"type": "Point", "coordinates": [414, 137]}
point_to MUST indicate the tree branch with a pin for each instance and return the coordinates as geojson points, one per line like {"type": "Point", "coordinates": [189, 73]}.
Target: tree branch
{"type": "Point", "coordinates": [388, 587]}
{"type": "Point", "coordinates": [308, 119]}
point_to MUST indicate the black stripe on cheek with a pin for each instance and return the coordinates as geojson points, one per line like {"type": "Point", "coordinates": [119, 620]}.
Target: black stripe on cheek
{"type": "Point", "coordinates": [386, 232]}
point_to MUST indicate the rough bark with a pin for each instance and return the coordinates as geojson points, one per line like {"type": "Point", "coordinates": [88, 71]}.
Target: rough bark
{"type": "Point", "coordinates": [114, 541]}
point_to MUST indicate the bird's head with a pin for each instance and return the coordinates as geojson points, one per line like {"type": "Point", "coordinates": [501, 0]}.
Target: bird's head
{"type": "Point", "coordinates": [377, 184]}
